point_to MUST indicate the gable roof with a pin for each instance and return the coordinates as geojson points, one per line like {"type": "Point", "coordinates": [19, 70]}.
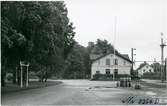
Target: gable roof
{"type": "Point", "coordinates": [126, 56]}
{"type": "Point", "coordinates": [143, 65]}
{"type": "Point", "coordinates": [123, 56]}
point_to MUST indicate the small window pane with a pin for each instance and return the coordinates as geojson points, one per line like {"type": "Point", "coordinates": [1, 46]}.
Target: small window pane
{"type": "Point", "coordinates": [124, 62]}
{"type": "Point", "coordinates": [97, 72]}
{"type": "Point", "coordinates": [107, 61]}
{"type": "Point", "coordinates": [99, 62]}
{"type": "Point", "coordinates": [115, 61]}
{"type": "Point", "coordinates": [150, 70]}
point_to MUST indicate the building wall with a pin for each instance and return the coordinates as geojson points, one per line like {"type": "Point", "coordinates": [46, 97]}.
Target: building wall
{"type": "Point", "coordinates": [123, 66]}
{"type": "Point", "coordinates": [147, 68]}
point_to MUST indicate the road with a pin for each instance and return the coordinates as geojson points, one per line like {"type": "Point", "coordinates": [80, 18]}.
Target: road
{"type": "Point", "coordinates": [78, 92]}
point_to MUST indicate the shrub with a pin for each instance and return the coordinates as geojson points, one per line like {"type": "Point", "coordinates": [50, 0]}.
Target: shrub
{"type": "Point", "coordinates": [155, 76]}
{"type": "Point", "coordinates": [9, 77]}
{"type": "Point", "coordinates": [102, 77]}
{"type": "Point", "coordinates": [106, 77]}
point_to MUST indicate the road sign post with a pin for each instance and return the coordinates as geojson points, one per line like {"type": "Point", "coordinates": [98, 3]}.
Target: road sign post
{"type": "Point", "coordinates": [21, 75]}
{"type": "Point", "coordinates": [27, 75]}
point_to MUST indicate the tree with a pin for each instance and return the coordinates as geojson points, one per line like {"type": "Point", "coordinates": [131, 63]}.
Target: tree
{"type": "Point", "coordinates": [102, 47]}
{"type": "Point", "coordinates": [37, 32]}
{"type": "Point", "coordinates": [156, 66]}
{"type": "Point", "coordinates": [75, 63]}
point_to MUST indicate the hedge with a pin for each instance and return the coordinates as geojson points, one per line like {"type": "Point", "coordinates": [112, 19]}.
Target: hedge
{"type": "Point", "coordinates": [156, 76]}
{"type": "Point", "coordinates": [105, 77]}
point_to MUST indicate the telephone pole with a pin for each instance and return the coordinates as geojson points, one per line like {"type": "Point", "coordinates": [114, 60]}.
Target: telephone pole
{"type": "Point", "coordinates": [132, 54]}
{"type": "Point", "coordinates": [115, 32]}
{"type": "Point", "coordinates": [162, 55]}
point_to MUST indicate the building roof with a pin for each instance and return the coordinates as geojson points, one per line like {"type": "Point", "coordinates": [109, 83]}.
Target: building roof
{"type": "Point", "coordinates": [123, 56]}
{"type": "Point", "coordinates": [126, 56]}
{"type": "Point", "coordinates": [142, 65]}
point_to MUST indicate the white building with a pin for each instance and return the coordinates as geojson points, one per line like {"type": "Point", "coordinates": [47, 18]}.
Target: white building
{"type": "Point", "coordinates": [144, 69]}
{"type": "Point", "coordinates": [109, 64]}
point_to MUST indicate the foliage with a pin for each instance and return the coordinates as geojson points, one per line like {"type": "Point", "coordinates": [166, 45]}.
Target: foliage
{"type": "Point", "coordinates": [99, 76]}
{"type": "Point", "coordinates": [155, 76]}
{"type": "Point", "coordinates": [75, 65]}
{"type": "Point", "coordinates": [102, 77]}
{"type": "Point", "coordinates": [37, 32]}
{"type": "Point", "coordinates": [102, 47]}
{"type": "Point", "coordinates": [156, 66]}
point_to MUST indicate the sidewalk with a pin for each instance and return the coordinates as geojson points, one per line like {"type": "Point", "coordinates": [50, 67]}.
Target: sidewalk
{"type": "Point", "coordinates": [10, 87]}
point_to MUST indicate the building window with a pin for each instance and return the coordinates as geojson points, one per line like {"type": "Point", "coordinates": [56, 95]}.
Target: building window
{"type": "Point", "coordinates": [97, 72]}
{"type": "Point", "coordinates": [116, 73]}
{"type": "Point", "coordinates": [107, 61]}
{"type": "Point", "coordinates": [124, 62]}
{"type": "Point", "coordinates": [144, 70]}
{"type": "Point", "coordinates": [146, 66]}
{"type": "Point", "coordinates": [115, 61]}
{"type": "Point", "coordinates": [107, 71]}
{"type": "Point", "coordinates": [99, 62]}
{"type": "Point", "coordinates": [150, 70]}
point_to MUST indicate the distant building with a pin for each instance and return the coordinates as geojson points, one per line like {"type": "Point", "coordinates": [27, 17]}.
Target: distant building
{"type": "Point", "coordinates": [109, 64]}
{"type": "Point", "coordinates": [145, 68]}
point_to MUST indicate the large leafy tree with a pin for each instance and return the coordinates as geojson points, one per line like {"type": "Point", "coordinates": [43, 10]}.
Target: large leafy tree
{"type": "Point", "coordinates": [75, 63]}
{"type": "Point", "coordinates": [102, 47]}
{"type": "Point", "coordinates": [37, 32]}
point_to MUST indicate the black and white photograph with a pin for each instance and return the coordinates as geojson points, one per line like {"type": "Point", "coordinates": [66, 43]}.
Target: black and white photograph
{"type": "Point", "coordinates": [83, 52]}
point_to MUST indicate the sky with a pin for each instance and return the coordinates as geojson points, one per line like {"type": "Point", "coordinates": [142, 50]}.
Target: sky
{"type": "Point", "coordinates": [132, 23]}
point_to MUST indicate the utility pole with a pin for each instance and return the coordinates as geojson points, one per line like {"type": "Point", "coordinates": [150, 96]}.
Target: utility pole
{"type": "Point", "coordinates": [162, 55]}
{"type": "Point", "coordinates": [132, 54]}
{"type": "Point", "coordinates": [166, 70]}
{"type": "Point", "coordinates": [115, 32]}
{"type": "Point", "coordinates": [132, 57]}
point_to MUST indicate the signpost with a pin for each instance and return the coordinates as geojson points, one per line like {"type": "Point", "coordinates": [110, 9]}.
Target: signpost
{"type": "Point", "coordinates": [27, 75]}
{"type": "Point", "coordinates": [21, 75]}
{"type": "Point", "coordinates": [21, 65]}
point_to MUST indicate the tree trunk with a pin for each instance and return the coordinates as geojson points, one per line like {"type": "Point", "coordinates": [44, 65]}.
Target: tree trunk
{"type": "Point", "coordinates": [14, 77]}
{"type": "Point", "coordinates": [3, 80]}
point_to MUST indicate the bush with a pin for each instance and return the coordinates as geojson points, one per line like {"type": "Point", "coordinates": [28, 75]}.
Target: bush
{"type": "Point", "coordinates": [156, 76]}
{"type": "Point", "coordinates": [9, 77]}
{"type": "Point", "coordinates": [109, 77]}
{"type": "Point", "coordinates": [123, 76]}
{"type": "Point", "coordinates": [102, 77]}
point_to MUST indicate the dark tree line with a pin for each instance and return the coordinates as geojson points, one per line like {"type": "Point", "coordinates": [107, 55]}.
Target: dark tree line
{"type": "Point", "coordinates": [37, 32]}
{"type": "Point", "coordinates": [78, 62]}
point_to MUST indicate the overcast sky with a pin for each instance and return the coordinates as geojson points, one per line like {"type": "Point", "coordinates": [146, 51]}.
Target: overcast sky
{"type": "Point", "coordinates": [139, 24]}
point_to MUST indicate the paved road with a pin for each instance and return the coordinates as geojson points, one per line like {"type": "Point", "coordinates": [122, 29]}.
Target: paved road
{"type": "Point", "coordinates": [76, 92]}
